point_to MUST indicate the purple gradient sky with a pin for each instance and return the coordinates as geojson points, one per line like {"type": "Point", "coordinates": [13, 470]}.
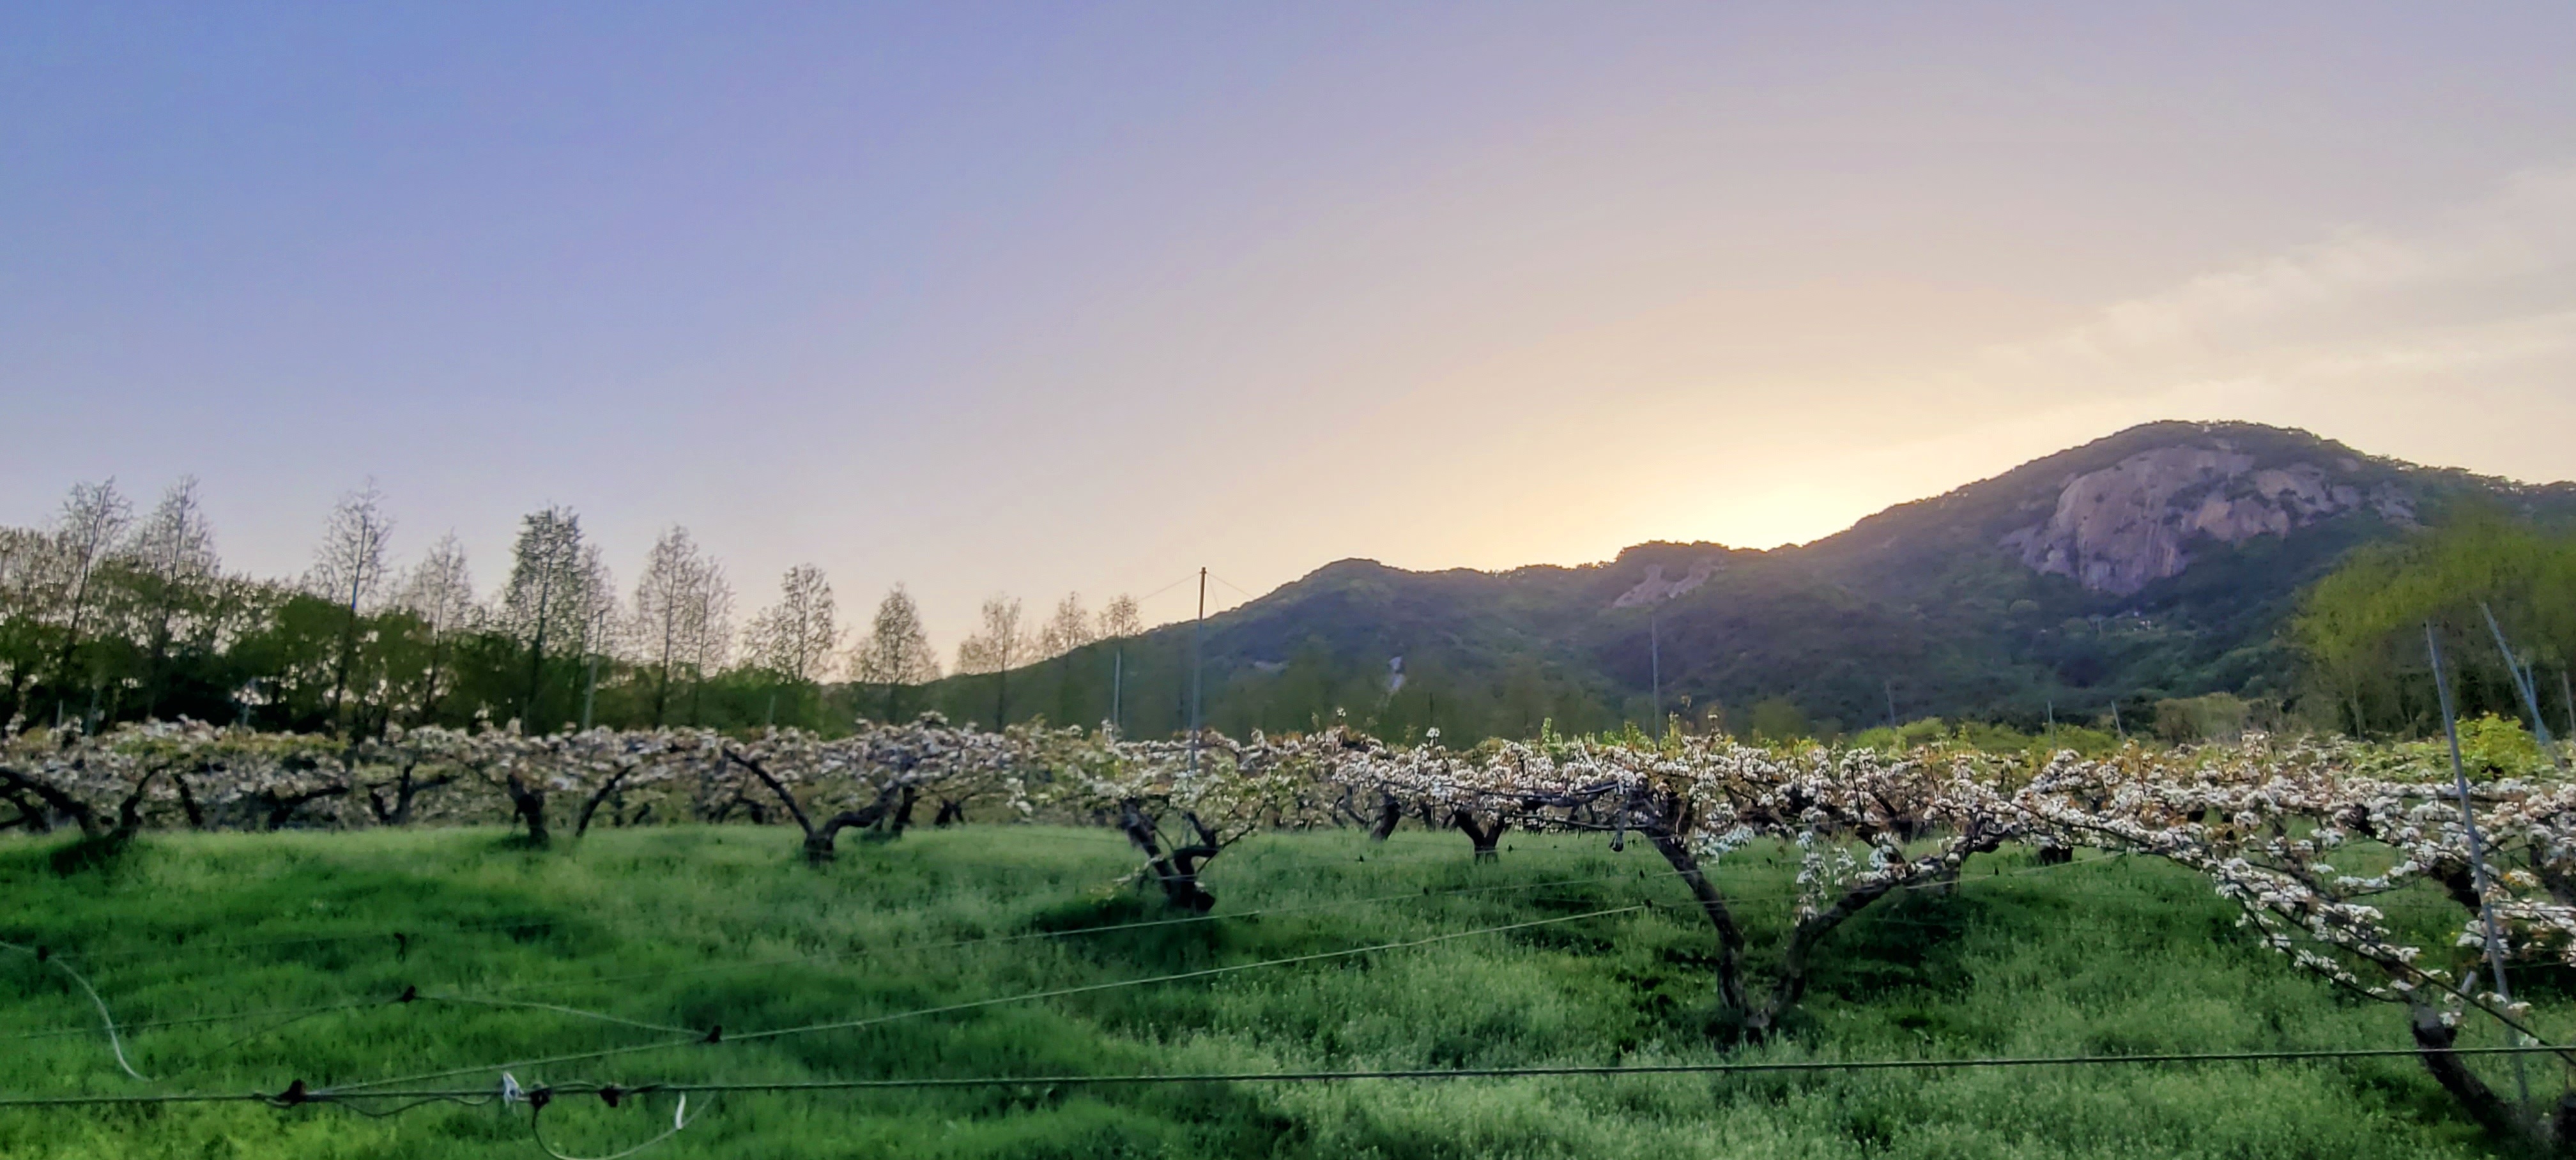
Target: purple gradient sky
{"type": "Point", "coordinates": [1039, 298]}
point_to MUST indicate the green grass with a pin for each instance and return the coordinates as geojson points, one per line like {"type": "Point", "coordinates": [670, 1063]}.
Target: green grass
{"type": "Point", "coordinates": [2100, 957]}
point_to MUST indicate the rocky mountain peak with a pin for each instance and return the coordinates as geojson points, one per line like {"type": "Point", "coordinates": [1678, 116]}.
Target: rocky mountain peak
{"type": "Point", "coordinates": [1658, 587]}
{"type": "Point", "coordinates": [2123, 527]}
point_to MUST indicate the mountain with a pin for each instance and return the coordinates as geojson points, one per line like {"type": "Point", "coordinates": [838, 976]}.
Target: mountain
{"type": "Point", "coordinates": [2158, 562]}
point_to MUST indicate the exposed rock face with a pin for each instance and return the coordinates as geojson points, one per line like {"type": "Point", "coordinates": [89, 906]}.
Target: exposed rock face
{"type": "Point", "coordinates": [2128, 525]}
{"type": "Point", "coordinates": [1656, 588]}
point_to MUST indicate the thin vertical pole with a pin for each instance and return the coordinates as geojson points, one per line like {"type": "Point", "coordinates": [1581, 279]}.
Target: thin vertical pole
{"type": "Point", "coordinates": [590, 691]}
{"type": "Point", "coordinates": [2477, 845]}
{"type": "Point", "coordinates": [2567, 690]}
{"type": "Point", "coordinates": [2052, 725]}
{"type": "Point", "coordinates": [1889, 687]}
{"type": "Point", "coordinates": [1197, 665]}
{"type": "Point", "coordinates": [2116, 727]}
{"type": "Point", "coordinates": [1117, 689]}
{"type": "Point", "coordinates": [1655, 664]}
{"type": "Point", "coordinates": [2522, 685]}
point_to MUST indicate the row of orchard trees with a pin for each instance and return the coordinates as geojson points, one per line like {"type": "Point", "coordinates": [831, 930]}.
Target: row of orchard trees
{"type": "Point", "coordinates": [108, 615]}
{"type": "Point", "coordinates": [2308, 840]}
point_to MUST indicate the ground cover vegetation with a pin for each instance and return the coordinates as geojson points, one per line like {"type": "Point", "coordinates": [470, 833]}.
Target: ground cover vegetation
{"type": "Point", "coordinates": [2398, 918]}
{"type": "Point", "coordinates": [696, 926]}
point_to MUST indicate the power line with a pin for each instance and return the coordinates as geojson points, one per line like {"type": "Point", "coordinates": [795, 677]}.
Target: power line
{"type": "Point", "coordinates": [716, 1035]}
{"type": "Point", "coordinates": [639, 976]}
{"type": "Point", "coordinates": [347, 1095]}
{"type": "Point", "coordinates": [298, 1013]}
{"type": "Point", "coordinates": [1595, 1071]}
{"type": "Point", "coordinates": [405, 937]}
{"type": "Point", "coordinates": [560, 1010]}
{"type": "Point", "coordinates": [115, 1043]}
{"type": "Point", "coordinates": [197, 1020]}
{"type": "Point", "coordinates": [1028, 936]}
{"type": "Point", "coordinates": [183, 945]}
{"type": "Point", "coordinates": [1231, 584]}
{"type": "Point", "coordinates": [1166, 588]}
{"type": "Point", "coordinates": [694, 1035]}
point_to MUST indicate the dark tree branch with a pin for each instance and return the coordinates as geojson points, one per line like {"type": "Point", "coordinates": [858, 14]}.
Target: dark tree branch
{"type": "Point", "coordinates": [1389, 812]}
{"type": "Point", "coordinates": [590, 807]}
{"type": "Point", "coordinates": [14, 783]}
{"type": "Point", "coordinates": [775, 786]}
{"type": "Point", "coordinates": [282, 807]}
{"type": "Point", "coordinates": [2433, 1045]}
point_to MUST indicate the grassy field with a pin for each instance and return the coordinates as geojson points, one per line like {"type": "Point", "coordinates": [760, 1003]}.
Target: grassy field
{"type": "Point", "coordinates": [686, 928]}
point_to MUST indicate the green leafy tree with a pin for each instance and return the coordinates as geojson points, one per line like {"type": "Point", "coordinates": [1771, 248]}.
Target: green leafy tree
{"type": "Point", "coordinates": [2361, 628]}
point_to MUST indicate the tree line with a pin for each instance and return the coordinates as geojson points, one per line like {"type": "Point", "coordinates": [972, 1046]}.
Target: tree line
{"type": "Point", "coordinates": [2483, 574]}
{"type": "Point", "coordinates": [110, 614]}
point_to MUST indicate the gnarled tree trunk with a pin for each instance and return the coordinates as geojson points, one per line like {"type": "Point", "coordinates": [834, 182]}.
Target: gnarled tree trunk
{"type": "Point", "coordinates": [528, 801]}
{"type": "Point", "coordinates": [1389, 812]}
{"type": "Point", "coordinates": [1483, 837]}
{"type": "Point", "coordinates": [407, 788]}
{"type": "Point", "coordinates": [1178, 871]}
{"type": "Point", "coordinates": [820, 840]}
{"type": "Point", "coordinates": [902, 819]}
{"type": "Point", "coordinates": [2434, 1041]}
{"type": "Point", "coordinates": [282, 807]}
{"type": "Point", "coordinates": [590, 806]}
{"type": "Point", "coordinates": [1730, 937]}
{"type": "Point", "coordinates": [19, 787]}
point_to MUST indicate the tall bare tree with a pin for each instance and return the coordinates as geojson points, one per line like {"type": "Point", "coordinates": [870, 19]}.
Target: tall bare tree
{"type": "Point", "coordinates": [85, 533]}
{"type": "Point", "coordinates": [670, 598]}
{"type": "Point", "coordinates": [710, 639]}
{"type": "Point", "coordinates": [26, 564]}
{"type": "Point", "coordinates": [1001, 645]}
{"type": "Point", "coordinates": [440, 592]}
{"type": "Point", "coordinates": [603, 631]}
{"type": "Point", "coordinates": [348, 570]}
{"type": "Point", "coordinates": [797, 636]}
{"type": "Point", "coordinates": [544, 602]}
{"type": "Point", "coordinates": [896, 652]}
{"type": "Point", "coordinates": [26, 575]}
{"type": "Point", "coordinates": [1067, 630]}
{"type": "Point", "coordinates": [1121, 619]}
{"type": "Point", "coordinates": [171, 566]}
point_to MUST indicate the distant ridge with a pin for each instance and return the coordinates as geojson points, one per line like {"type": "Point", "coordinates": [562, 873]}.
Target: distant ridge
{"type": "Point", "coordinates": [2159, 561]}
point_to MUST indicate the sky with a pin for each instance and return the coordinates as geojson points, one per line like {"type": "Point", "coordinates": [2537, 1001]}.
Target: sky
{"type": "Point", "coordinates": [1048, 298]}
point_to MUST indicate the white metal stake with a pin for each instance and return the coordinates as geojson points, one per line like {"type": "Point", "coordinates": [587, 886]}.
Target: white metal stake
{"type": "Point", "coordinates": [2522, 685]}
{"type": "Point", "coordinates": [2477, 845]}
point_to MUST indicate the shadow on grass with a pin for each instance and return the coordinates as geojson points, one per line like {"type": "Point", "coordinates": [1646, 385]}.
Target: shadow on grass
{"type": "Point", "coordinates": [93, 852]}
{"type": "Point", "coordinates": [1151, 932]}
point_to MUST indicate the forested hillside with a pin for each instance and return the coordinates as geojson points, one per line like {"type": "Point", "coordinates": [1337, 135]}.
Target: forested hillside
{"type": "Point", "coordinates": [2162, 562]}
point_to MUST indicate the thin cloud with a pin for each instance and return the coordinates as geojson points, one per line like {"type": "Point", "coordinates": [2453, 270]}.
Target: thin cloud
{"type": "Point", "coordinates": [2494, 278]}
